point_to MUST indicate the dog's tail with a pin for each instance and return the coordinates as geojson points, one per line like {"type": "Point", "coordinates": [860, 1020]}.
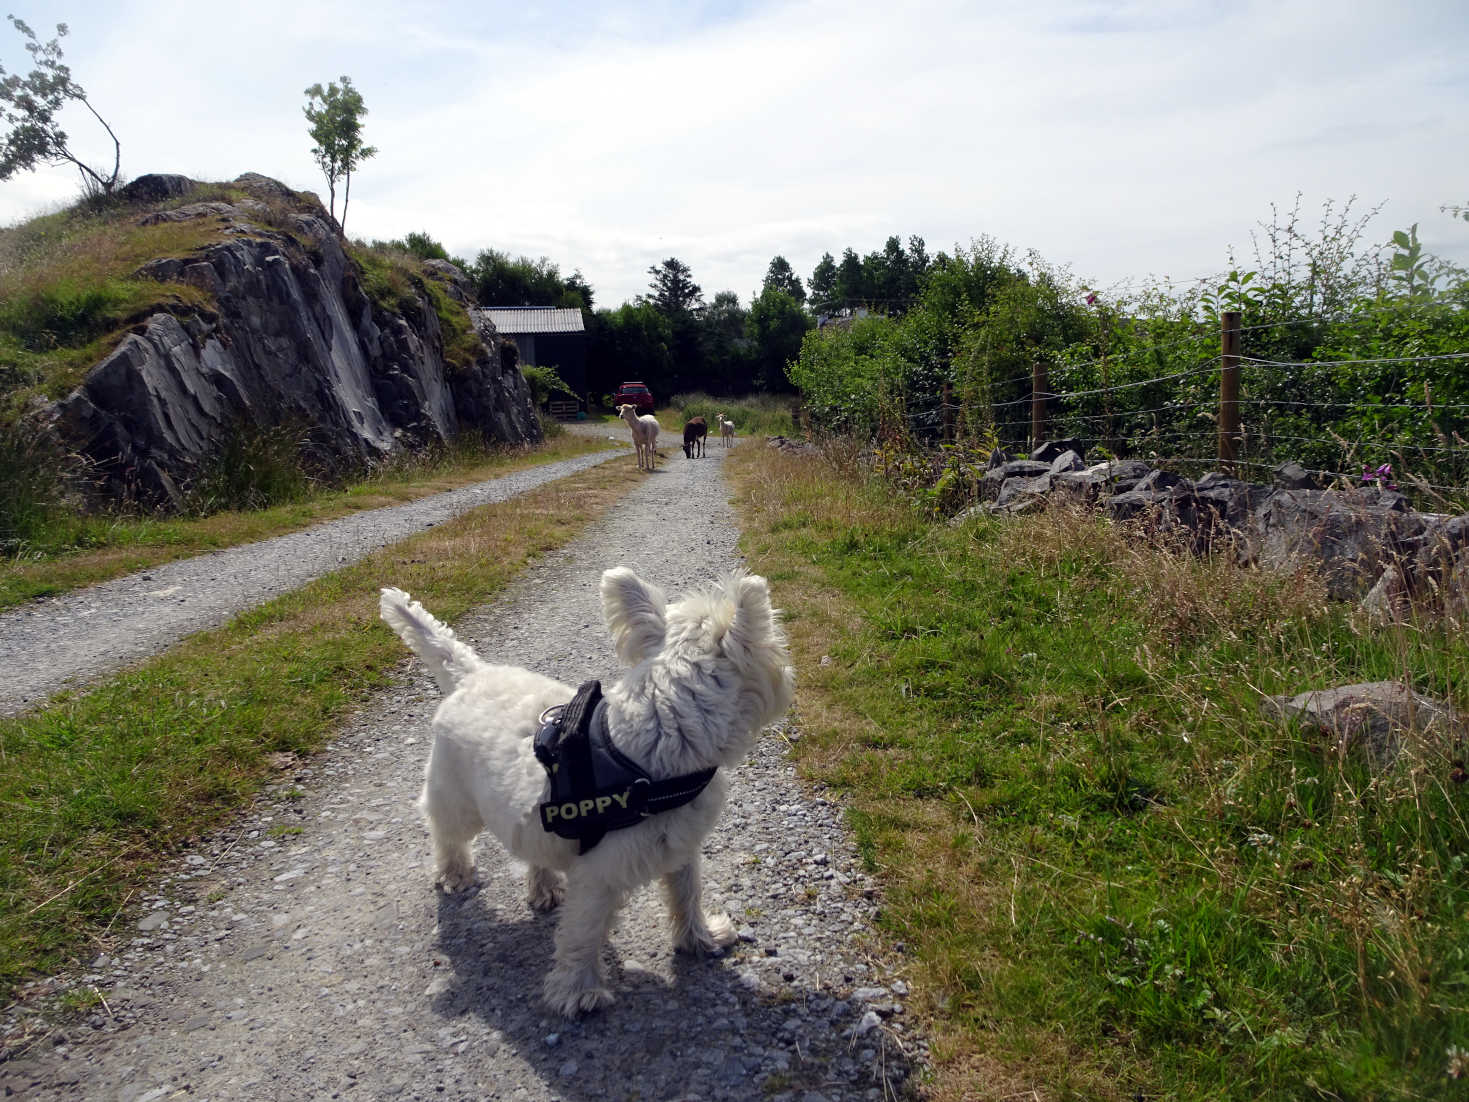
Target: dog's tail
{"type": "Point", "coordinates": [447, 658]}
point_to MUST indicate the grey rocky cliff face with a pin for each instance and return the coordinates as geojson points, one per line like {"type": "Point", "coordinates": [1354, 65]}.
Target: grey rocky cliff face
{"type": "Point", "coordinates": [293, 340]}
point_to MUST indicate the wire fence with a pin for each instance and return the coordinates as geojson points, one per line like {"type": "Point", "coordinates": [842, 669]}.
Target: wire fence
{"type": "Point", "coordinates": [1243, 414]}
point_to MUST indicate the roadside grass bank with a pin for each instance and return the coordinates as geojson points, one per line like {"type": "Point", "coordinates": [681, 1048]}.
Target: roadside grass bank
{"type": "Point", "coordinates": [98, 787]}
{"type": "Point", "coordinates": [85, 550]}
{"type": "Point", "coordinates": [1113, 877]}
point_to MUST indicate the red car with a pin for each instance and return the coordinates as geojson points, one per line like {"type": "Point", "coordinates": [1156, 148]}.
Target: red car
{"type": "Point", "coordinates": [634, 394]}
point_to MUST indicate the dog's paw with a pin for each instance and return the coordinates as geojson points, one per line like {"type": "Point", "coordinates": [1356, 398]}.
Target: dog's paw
{"type": "Point", "coordinates": [456, 879]}
{"type": "Point", "coordinates": [571, 996]}
{"type": "Point", "coordinates": [709, 938]}
{"type": "Point", "coordinates": [546, 890]}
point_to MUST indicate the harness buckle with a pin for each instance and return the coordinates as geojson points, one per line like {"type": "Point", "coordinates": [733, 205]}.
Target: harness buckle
{"type": "Point", "coordinates": [637, 796]}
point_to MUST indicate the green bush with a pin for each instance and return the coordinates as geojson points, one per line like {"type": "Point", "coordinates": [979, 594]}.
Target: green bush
{"type": "Point", "coordinates": [544, 382]}
{"type": "Point", "coordinates": [1350, 360]}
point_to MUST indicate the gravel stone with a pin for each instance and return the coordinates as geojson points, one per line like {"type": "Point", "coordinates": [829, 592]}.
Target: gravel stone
{"type": "Point", "coordinates": [324, 964]}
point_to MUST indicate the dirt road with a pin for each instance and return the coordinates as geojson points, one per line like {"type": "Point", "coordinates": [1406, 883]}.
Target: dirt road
{"type": "Point", "coordinates": [302, 952]}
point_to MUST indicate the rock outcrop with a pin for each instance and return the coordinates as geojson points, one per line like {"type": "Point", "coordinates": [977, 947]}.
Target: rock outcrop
{"type": "Point", "coordinates": [290, 339]}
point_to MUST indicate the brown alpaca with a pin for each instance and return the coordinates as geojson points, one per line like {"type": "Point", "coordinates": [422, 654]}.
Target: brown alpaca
{"type": "Point", "coordinates": [693, 437]}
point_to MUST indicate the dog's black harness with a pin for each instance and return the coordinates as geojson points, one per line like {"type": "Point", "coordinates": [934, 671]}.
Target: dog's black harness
{"type": "Point", "coordinates": [594, 786]}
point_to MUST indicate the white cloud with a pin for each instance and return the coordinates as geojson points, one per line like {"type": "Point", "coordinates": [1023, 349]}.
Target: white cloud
{"type": "Point", "coordinates": [1121, 139]}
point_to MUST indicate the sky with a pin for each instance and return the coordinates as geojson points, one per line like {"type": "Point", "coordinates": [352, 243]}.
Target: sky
{"type": "Point", "coordinates": [1127, 142]}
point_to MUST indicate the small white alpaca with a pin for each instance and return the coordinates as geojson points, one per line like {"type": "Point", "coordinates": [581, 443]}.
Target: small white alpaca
{"type": "Point", "coordinates": [644, 434]}
{"type": "Point", "coordinates": [726, 432]}
{"type": "Point", "coordinates": [706, 674]}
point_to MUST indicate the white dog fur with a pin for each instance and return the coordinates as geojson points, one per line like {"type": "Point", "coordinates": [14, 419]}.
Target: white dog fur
{"type": "Point", "coordinates": [706, 675]}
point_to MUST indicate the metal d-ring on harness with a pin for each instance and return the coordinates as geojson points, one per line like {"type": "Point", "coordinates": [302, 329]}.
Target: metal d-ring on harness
{"type": "Point", "coordinates": [594, 786]}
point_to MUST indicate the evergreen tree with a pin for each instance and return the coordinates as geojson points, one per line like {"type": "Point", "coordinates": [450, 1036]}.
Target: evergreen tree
{"type": "Point", "coordinates": [850, 289]}
{"type": "Point", "coordinates": [781, 277]}
{"type": "Point", "coordinates": [678, 298]}
{"type": "Point", "coordinates": [674, 291]}
{"type": "Point", "coordinates": [824, 283]}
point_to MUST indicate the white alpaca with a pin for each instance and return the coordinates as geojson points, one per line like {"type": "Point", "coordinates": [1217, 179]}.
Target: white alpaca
{"type": "Point", "coordinates": [706, 675]}
{"type": "Point", "coordinates": [644, 434]}
{"type": "Point", "coordinates": [726, 432]}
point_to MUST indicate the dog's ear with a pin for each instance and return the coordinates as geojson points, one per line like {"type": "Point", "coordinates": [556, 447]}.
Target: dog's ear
{"type": "Point", "coordinates": [754, 621]}
{"type": "Point", "coordinates": [634, 611]}
{"type": "Point", "coordinates": [756, 644]}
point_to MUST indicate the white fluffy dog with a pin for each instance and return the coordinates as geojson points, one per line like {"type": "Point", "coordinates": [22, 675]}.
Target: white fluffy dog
{"type": "Point", "coordinates": [706, 675]}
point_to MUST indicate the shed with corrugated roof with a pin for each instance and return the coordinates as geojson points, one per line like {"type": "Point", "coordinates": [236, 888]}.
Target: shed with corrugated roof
{"type": "Point", "coordinates": [547, 336]}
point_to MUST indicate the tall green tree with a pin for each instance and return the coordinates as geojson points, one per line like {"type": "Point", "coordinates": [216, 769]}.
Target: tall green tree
{"type": "Point", "coordinates": [900, 282]}
{"type": "Point", "coordinates": [781, 277]}
{"type": "Point", "coordinates": [577, 287]}
{"type": "Point", "coordinates": [918, 256]}
{"type": "Point", "coordinates": [503, 280]}
{"type": "Point", "coordinates": [28, 109]}
{"type": "Point", "coordinates": [850, 288]}
{"type": "Point", "coordinates": [727, 351]}
{"type": "Point", "coordinates": [824, 283]}
{"type": "Point", "coordinates": [775, 328]}
{"type": "Point", "coordinates": [676, 296]}
{"type": "Point", "coordinates": [673, 289]}
{"type": "Point", "coordinates": [335, 116]}
{"type": "Point", "coordinates": [632, 342]}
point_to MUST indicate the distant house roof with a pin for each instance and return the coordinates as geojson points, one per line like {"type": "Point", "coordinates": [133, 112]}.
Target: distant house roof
{"type": "Point", "coordinates": [535, 319]}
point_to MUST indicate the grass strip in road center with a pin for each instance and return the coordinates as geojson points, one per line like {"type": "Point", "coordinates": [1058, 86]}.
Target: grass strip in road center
{"type": "Point", "coordinates": [98, 786]}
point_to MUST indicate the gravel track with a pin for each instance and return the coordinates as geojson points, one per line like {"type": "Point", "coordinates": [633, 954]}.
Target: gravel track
{"type": "Point", "coordinates": [302, 951]}
{"type": "Point", "coordinates": [75, 638]}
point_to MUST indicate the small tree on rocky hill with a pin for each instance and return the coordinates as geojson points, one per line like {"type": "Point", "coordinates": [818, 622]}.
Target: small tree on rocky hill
{"type": "Point", "coordinates": [335, 114]}
{"type": "Point", "coordinates": [29, 106]}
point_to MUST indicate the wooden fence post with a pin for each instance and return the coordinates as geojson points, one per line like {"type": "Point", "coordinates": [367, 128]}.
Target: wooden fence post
{"type": "Point", "coordinates": [1038, 394]}
{"type": "Point", "coordinates": [948, 413]}
{"type": "Point", "coordinates": [1229, 435]}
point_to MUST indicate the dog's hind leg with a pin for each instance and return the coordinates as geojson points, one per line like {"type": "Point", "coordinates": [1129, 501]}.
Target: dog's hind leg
{"type": "Point", "coordinates": [452, 824]}
{"type": "Point", "coordinates": [693, 930]}
{"type": "Point", "coordinates": [454, 862]}
{"type": "Point", "coordinates": [576, 983]}
{"type": "Point", "coordinates": [545, 889]}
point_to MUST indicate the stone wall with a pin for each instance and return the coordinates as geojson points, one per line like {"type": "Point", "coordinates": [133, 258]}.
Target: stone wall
{"type": "Point", "coordinates": [1366, 541]}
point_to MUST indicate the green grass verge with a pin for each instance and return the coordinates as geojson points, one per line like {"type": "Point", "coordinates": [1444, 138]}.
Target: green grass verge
{"type": "Point", "coordinates": [68, 292]}
{"type": "Point", "coordinates": [96, 787]}
{"type": "Point", "coordinates": [1115, 878]}
{"type": "Point", "coordinates": [92, 549]}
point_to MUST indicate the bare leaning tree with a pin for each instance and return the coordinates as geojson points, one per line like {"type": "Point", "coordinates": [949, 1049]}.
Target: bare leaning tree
{"type": "Point", "coordinates": [335, 114]}
{"type": "Point", "coordinates": [29, 107]}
